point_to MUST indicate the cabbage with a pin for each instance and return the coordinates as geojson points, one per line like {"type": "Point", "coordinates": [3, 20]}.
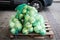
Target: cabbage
{"type": "Point", "coordinates": [25, 31]}
{"type": "Point", "coordinates": [29, 8]}
{"type": "Point", "coordinates": [43, 32]}
{"type": "Point", "coordinates": [20, 16]}
{"type": "Point", "coordinates": [12, 18]}
{"type": "Point", "coordinates": [17, 22]}
{"type": "Point", "coordinates": [31, 13]}
{"type": "Point", "coordinates": [37, 29]}
{"type": "Point", "coordinates": [33, 8]}
{"type": "Point", "coordinates": [42, 21]}
{"type": "Point", "coordinates": [11, 24]}
{"type": "Point", "coordinates": [15, 19]}
{"type": "Point", "coordinates": [18, 26]}
{"type": "Point", "coordinates": [30, 29]}
{"type": "Point", "coordinates": [24, 11]}
{"type": "Point", "coordinates": [32, 20]}
{"type": "Point", "coordinates": [36, 23]}
{"type": "Point", "coordinates": [14, 31]}
{"type": "Point", "coordinates": [27, 17]}
{"type": "Point", "coordinates": [43, 26]}
{"type": "Point", "coordinates": [37, 17]}
{"type": "Point", "coordinates": [28, 25]}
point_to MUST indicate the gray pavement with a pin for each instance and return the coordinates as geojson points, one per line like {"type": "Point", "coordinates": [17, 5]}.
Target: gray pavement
{"type": "Point", "coordinates": [56, 0]}
{"type": "Point", "coordinates": [52, 13]}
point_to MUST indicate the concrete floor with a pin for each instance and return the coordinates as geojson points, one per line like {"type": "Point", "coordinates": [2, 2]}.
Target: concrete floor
{"type": "Point", "coordinates": [52, 13]}
{"type": "Point", "coordinates": [56, 0]}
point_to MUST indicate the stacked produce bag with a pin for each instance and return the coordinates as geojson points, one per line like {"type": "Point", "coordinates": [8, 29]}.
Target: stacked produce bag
{"type": "Point", "coordinates": [27, 20]}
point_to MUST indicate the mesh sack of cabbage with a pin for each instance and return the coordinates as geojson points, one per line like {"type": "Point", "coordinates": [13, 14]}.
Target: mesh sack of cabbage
{"type": "Point", "coordinates": [39, 29]}
{"type": "Point", "coordinates": [39, 25]}
{"type": "Point", "coordinates": [15, 25]}
{"type": "Point", "coordinates": [32, 21]}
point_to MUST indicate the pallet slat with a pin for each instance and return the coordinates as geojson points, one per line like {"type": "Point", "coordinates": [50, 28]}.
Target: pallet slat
{"type": "Point", "coordinates": [50, 33]}
{"type": "Point", "coordinates": [48, 26]}
{"type": "Point", "coordinates": [39, 37]}
{"type": "Point", "coordinates": [49, 29]}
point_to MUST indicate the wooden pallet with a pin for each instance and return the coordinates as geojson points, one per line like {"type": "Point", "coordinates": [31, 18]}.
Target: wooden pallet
{"type": "Point", "coordinates": [49, 33]}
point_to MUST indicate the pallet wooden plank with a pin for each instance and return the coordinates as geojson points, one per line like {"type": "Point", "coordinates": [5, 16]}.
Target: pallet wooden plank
{"type": "Point", "coordinates": [33, 34]}
{"type": "Point", "coordinates": [40, 37]}
{"type": "Point", "coordinates": [50, 33]}
{"type": "Point", "coordinates": [47, 26]}
{"type": "Point", "coordinates": [46, 23]}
